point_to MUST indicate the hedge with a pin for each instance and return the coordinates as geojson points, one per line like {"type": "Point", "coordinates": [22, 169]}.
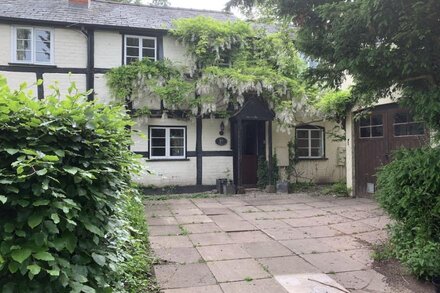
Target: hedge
{"type": "Point", "coordinates": [409, 190]}
{"type": "Point", "coordinates": [64, 165]}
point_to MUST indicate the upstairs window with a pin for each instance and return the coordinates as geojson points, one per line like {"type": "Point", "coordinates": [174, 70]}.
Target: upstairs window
{"type": "Point", "coordinates": [167, 142]}
{"type": "Point", "coordinates": [371, 126]}
{"type": "Point", "coordinates": [32, 45]}
{"type": "Point", "coordinates": [309, 142]}
{"type": "Point", "coordinates": [138, 48]}
{"type": "Point", "coordinates": [404, 125]}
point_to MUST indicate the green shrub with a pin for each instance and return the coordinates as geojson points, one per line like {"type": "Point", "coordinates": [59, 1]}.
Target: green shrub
{"type": "Point", "coordinates": [63, 167]}
{"type": "Point", "coordinates": [409, 190]}
{"type": "Point", "coordinates": [338, 189]}
{"type": "Point", "coordinates": [301, 186]}
{"type": "Point", "coordinates": [263, 172]}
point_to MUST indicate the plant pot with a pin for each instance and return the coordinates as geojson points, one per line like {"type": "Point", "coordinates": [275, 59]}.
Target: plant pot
{"type": "Point", "coordinates": [229, 188]}
{"type": "Point", "coordinates": [271, 189]}
{"type": "Point", "coordinates": [220, 183]}
{"type": "Point", "coordinates": [282, 187]}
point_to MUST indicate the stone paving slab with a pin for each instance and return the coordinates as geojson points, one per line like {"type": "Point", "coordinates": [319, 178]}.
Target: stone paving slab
{"type": "Point", "coordinates": [308, 283]}
{"type": "Point", "coordinates": [237, 270]}
{"type": "Point", "coordinates": [248, 243]}
{"type": "Point", "coordinates": [223, 252]}
{"type": "Point", "coordinates": [183, 276]}
{"type": "Point", "coordinates": [202, 289]}
{"type": "Point", "coordinates": [254, 286]}
{"type": "Point", "coordinates": [287, 265]}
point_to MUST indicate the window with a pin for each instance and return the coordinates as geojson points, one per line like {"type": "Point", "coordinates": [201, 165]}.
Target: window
{"type": "Point", "coordinates": [138, 48]}
{"type": "Point", "coordinates": [32, 45]}
{"type": "Point", "coordinates": [371, 126]}
{"type": "Point", "coordinates": [404, 125]}
{"type": "Point", "coordinates": [310, 142]}
{"type": "Point", "coordinates": [167, 143]}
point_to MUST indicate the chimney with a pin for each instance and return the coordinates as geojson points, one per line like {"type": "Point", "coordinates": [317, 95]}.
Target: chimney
{"type": "Point", "coordinates": [80, 3]}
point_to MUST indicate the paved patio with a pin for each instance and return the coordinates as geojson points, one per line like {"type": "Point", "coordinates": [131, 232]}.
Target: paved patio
{"type": "Point", "coordinates": [267, 243]}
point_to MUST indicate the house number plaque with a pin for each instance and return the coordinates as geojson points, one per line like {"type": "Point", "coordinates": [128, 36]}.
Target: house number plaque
{"type": "Point", "coordinates": [221, 141]}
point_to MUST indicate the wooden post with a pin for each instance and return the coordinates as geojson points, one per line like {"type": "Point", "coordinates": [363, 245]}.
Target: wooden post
{"type": "Point", "coordinates": [239, 154]}
{"type": "Point", "coordinates": [269, 138]}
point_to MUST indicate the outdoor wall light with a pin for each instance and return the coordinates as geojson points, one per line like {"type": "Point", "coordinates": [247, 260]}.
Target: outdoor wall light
{"type": "Point", "coordinates": [222, 128]}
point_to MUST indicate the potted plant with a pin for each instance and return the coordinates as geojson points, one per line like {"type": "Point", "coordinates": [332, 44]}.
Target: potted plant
{"type": "Point", "coordinates": [229, 187]}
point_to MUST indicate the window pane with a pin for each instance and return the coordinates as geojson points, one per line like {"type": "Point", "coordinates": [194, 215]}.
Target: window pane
{"type": "Point", "coordinates": [401, 118]}
{"type": "Point", "coordinates": [316, 134]}
{"type": "Point", "coordinates": [23, 34]}
{"type": "Point", "coordinates": [147, 43]}
{"type": "Point", "coordinates": [42, 57]}
{"type": "Point", "coordinates": [133, 42]}
{"type": "Point", "coordinates": [176, 152]}
{"type": "Point", "coordinates": [177, 142]}
{"type": "Point", "coordinates": [176, 132]}
{"type": "Point", "coordinates": [376, 120]}
{"type": "Point", "coordinates": [148, 53]}
{"type": "Point", "coordinates": [316, 152]}
{"type": "Point", "coordinates": [133, 52]}
{"type": "Point", "coordinates": [365, 132]}
{"type": "Point", "coordinates": [377, 131]}
{"type": "Point", "coordinates": [43, 47]}
{"type": "Point", "coordinates": [24, 55]}
{"type": "Point", "coordinates": [365, 121]}
{"type": "Point", "coordinates": [157, 142]}
{"type": "Point", "coordinates": [157, 132]}
{"type": "Point", "coordinates": [43, 36]}
{"type": "Point", "coordinates": [158, 152]}
{"type": "Point", "coordinates": [131, 59]}
{"type": "Point", "coordinates": [416, 129]}
{"type": "Point", "coordinates": [316, 143]}
{"type": "Point", "coordinates": [302, 142]}
{"type": "Point", "coordinates": [302, 133]}
{"type": "Point", "coordinates": [302, 152]}
{"type": "Point", "coordinates": [23, 45]}
{"type": "Point", "coordinates": [400, 130]}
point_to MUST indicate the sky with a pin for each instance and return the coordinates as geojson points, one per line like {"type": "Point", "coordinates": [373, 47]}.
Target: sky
{"type": "Point", "coordinates": [200, 4]}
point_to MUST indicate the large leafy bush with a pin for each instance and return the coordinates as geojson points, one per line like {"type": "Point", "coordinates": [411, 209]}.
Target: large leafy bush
{"type": "Point", "coordinates": [63, 168]}
{"type": "Point", "coordinates": [409, 190]}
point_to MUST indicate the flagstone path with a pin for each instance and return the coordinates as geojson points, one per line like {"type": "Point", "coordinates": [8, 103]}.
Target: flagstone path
{"type": "Point", "coordinates": [267, 243]}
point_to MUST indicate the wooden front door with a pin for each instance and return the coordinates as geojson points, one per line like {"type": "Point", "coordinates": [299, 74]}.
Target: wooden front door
{"type": "Point", "coordinates": [253, 147]}
{"type": "Point", "coordinates": [386, 129]}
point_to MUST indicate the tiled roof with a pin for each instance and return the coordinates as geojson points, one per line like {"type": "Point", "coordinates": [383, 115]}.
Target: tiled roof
{"type": "Point", "coordinates": [101, 13]}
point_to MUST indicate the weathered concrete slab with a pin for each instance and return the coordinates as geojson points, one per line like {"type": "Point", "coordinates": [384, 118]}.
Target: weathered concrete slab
{"type": "Point", "coordinates": [333, 262]}
{"type": "Point", "coordinates": [168, 230]}
{"type": "Point", "coordinates": [237, 270]}
{"type": "Point", "coordinates": [249, 236]}
{"type": "Point", "coordinates": [308, 283]}
{"type": "Point", "coordinates": [158, 242]}
{"type": "Point", "coordinates": [223, 252]}
{"type": "Point", "coordinates": [193, 219]}
{"type": "Point", "coordinates": [354, 227]}
{"type": "Point", "coordinates": [320, 231]}
{"type": "Point", "coordinates": [201, 228]}
{"type": "Point", "coordinates": [369, 280]}
{"type": "Point", "coordinates": [182, 255]}
{"type": "Point", "coordinates": [287, 265]}
{"type": "Point", "coordinates": [210, 239]}
{"type": "Point", "coordinates": [266, 249]}
{"type": "Point", "coordinates": [254, 286]}
{"type": "Point", "coordinates": [183, 276]}
{"type": "Point", "coordinates": [202, 289]}
{"type": "Point", "coordinates": [162, 221]}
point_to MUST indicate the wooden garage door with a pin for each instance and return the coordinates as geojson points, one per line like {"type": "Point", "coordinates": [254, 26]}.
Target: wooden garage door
{"type": "Point", "coordinates": [378, 134]}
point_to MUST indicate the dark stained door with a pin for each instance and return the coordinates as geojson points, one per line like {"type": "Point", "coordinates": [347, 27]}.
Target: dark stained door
{"type": "Point", "coordinates": [253, 147]}
{"type": "Point", "coordinates": [386, 129]}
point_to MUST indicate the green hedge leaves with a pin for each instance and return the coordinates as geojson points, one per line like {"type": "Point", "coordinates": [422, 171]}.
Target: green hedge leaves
{"type": "Point", "coordinates": [409, 190]}
{"type": "Point", "coordinates": [64, 164]}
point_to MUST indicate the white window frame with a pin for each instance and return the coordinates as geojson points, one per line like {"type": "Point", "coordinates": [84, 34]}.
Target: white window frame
{"type": "Point", "coordinates": [140, 38]}
{"type": "Point", "coordinates": [167, 143]}
{"type": "Point", "coordinates": [33, 45]}
{"type": "Point", "coordinates": [309, 148]}
{"type": "Point", "coordinates": [371, 126]}
{"type": "Point", "coordinates": [407, 123]}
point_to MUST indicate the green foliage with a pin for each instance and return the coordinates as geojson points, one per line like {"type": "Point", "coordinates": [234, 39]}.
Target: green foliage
{"type": "Point", "coordinates": [63, 168]}
{"type": "Point", "coordinates": [134, 274]}
{"type": "Point", "coordinates": [409, 190]}
{"type": "Point", "coordinates": [338, 189]}
{"type": "Point", "coordinates": [263, 172]}
{"type": "Point", "coordinates": [335, 105]}
{"type": "Point", "coordinates": [230, 61]}
{"type": "Point", "coordinates": [301, 186]}
{"type": "Point", "coordinates": [386, 46]}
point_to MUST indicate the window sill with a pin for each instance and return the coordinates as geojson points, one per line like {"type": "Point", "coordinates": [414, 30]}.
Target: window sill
{"type": "Point", "coordinates": [33, 65]}
{"type": "Point", "coordinates": [313, 159]}
{"type": "Point", "coordinates": [166, 160]}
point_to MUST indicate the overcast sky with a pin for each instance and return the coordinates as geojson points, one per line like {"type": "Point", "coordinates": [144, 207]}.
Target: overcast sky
{"type": "Point", "coordinates": [200, 4]}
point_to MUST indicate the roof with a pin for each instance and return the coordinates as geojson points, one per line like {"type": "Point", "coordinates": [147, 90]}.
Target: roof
{"type": "Point", "coordinates": [101, 13]}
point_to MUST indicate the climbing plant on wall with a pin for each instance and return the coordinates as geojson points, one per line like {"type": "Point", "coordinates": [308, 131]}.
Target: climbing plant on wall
{"type": "Point", "coordinates": [229, 61]}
